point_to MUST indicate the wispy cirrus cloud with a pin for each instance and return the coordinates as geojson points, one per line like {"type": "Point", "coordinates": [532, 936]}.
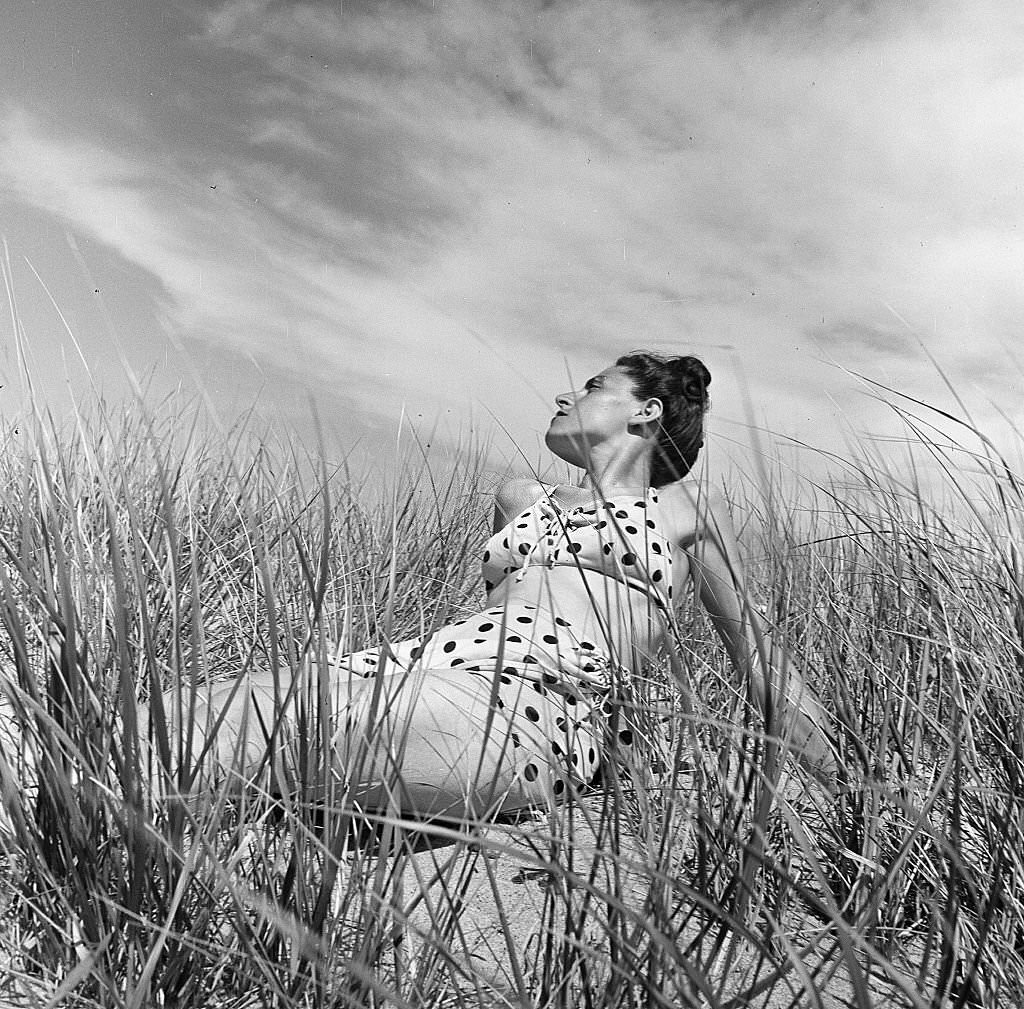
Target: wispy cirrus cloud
{"type": "Point", "coordinates": [441, 204]}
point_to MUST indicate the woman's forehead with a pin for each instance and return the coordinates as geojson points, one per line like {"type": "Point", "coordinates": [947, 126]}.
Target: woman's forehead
{"type": "Point", "coordinates": [614, 373]}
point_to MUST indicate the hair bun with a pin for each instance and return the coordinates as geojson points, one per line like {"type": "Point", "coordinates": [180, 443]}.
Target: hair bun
{"type": "Point", "coordinates": [693, 378]}
{"type": "Point", "coordinates": [681, 383]}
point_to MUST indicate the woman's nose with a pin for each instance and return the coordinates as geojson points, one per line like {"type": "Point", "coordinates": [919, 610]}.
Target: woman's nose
{"type": "Point", "coordinates": [564, 400]}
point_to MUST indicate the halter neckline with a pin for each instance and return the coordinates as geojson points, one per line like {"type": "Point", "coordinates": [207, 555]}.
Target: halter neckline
{"type": "Point", "coordinates": [618, 538]}
{"type": "Point", "coordinates": [598, 495]}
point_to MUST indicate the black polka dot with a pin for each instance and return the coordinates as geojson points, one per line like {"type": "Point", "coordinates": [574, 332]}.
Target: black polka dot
{"type": "Point", "coordinates": [601, 525]}
{"type": "Point", "coordinates": [632, 530]}
{"type": "Point", "coordinates": [524, 620]}
{"type": "Point", "coordinates": [641, 504]}
{"type": "Point", "coordinates": [457, 662]}
{"type": "Point", "coordinates": [588, 667]}
{"type": "Point", "coordinates": [524, 548]}
{"type": "Point", "coordinates": [484, 627]}
{"type": "Point", "coordinates": [550, 639]}
{"type": "Point", "coordinates": [574, 548]}
{"type": "Point", "coordinates": [626, 737]}
{"type": "Point", "coordinates": [656, 547]}
{"type": "Point", "coordinates": [479, 641]}
{"type": "Point", "coordinates": [591, 756]}
{"type": "Point", "coordinates": [539, 687]}
{"type": "Point", "coordinates": [587, 646]}
{"type": "Point", "coordinates": [514, 736]}
{"type": "Point", "coordinates": [556, 749]}
{"type": "Point", "coordinates": [562, 622]}
{"type": "Point", "coordinates": [650, 524]}
{"type": "Point", "coordinates": [532, 713]}
{"type": "Point", "coordinates": [620, 514]}
{"type": "Point", "coordinates": [558, 787]}
{"type": "Point", "coordinates": [513, 637]}
{"type": "Point", "coordinates": [629, 558]}
{"type": "Point", "coordinates": [416, 652]}
{"type": "Point", "coordinates": [505, 679]}
{"type": "Point", "coordinates": [575, 758]}
{"type": "Point", "coordinates": [488, 587]}
{"type": "Point", "coordinates": [528, 659]}
{"type": "Point", "coordinates": [522, 525]}
{"type": "Point", "coordinates": [449, 646]}
{"type": "Point", "coordinates": [504, 543]}
{"type": "Point", "coordinates": [549, 678]}
{"type": "Point", "coordinates": [607, 548]}
{"type": "Point", "coordinates": [657, 576]}
{"type": "Point", "coordinates": [487, 556]}
{"type": "Point", "coordinates": [561, 723]}
{"type": "Point", "coordinates": [499, 702]}
{"type": "Point", "coordinates": [570, 700]}
{"type": "Point", "coordinates": [530, 772]}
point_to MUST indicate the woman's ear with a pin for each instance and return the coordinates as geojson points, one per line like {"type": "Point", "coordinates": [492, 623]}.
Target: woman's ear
{"type": "Point", "coordinates": [650, 410]}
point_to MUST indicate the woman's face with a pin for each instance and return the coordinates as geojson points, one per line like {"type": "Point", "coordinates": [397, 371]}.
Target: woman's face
{"type": "Point", "coordinates": [601, 411]}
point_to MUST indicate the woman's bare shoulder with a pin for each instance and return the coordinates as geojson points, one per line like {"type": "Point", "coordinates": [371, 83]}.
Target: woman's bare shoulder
{"type": "Point", "coordinates": [520, 488]}
{"type": "Point", "coordinates": [515, 495]}
{"type": "Point", "coordinates": [692, 493]}
{"type": "Point", "coordinates": [691, 507]}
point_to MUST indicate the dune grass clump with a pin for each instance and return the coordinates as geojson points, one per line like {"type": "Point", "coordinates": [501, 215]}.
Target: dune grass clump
{"type": "Point", "coordinates": [156, 552]}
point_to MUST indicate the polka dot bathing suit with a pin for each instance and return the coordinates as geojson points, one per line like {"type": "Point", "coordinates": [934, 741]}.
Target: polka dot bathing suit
{"type": "Point", "coordinates": [550, 686]}
{"type": "Point", "coordinates": [619, 539]}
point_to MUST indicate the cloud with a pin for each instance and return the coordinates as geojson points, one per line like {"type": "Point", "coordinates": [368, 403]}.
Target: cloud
{"type": "Point", "coordinates": [447, 202]}
{"type": "Point", "coordinates": [883, 340]}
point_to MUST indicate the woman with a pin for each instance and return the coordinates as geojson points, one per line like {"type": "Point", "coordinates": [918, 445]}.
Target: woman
{"type": "Point", "coordinates": [512, 707]}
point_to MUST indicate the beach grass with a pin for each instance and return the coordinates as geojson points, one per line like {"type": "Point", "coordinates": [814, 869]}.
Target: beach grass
{"type": "Point", "coordinates": [150, 550]}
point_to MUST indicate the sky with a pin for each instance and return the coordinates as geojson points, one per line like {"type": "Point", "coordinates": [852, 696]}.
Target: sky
{"type": "Point", "coordinates": [448, 211]}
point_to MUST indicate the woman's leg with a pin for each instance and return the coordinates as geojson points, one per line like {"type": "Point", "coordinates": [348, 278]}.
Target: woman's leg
{"type": "Point", "coordinates": [435, 742]}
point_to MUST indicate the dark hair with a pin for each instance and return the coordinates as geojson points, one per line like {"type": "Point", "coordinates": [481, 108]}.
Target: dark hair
{"type": "Point", "coordinates": [681, 383]}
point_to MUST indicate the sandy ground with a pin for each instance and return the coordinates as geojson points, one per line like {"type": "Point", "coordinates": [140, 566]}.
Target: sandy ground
{"type": "Point", "coordinates": [506, 902]}
{"type": "Point", "coordinates": [504, 908]}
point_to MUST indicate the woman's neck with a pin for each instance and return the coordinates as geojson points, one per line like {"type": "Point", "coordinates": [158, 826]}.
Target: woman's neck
{"type": "Point", "coordinates": [633, 474]}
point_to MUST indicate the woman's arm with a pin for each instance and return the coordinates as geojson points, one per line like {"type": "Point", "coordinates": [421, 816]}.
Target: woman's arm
{"type": "Point", "coordinates": [791, 708]}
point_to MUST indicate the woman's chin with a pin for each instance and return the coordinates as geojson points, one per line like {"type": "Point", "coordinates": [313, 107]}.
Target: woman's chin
{"type": "Point", "coordinates": [564, 446]}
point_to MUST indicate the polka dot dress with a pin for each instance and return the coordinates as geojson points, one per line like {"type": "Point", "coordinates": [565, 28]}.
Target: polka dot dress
{"type": "Point", "coordinates": [549, 687]}
{"type": "Point", "coordinates": [618, 538]}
